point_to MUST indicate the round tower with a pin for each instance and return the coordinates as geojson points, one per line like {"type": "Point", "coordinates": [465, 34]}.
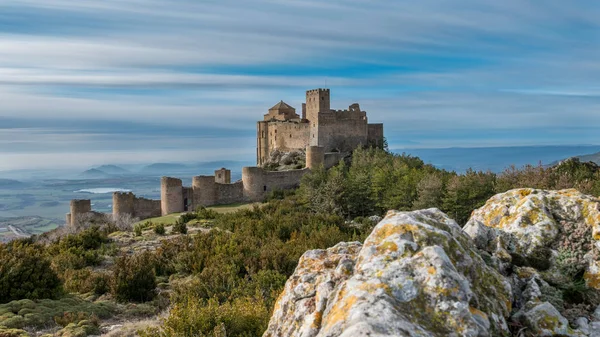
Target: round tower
{"type": "Point", "coordinates": [171, 195]}
{"type": "Point", "coordinates": [254, 186]}
{"type": "Point", "coordinates": [123, 203]}
{"type": "Point", "coordinates": [205, 191]}
{"type": "Point", "coordinates": [315, 156]}
{"type": "Point", "coordinates": [78, 209]}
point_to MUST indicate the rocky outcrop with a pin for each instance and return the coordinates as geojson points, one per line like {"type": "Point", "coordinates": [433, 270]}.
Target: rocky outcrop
{"type": "Point", "coordinates": [526, 264]}
{"type": "Point", "coordinates": [416, 275]}
{"type": "Point", "coordinates": [546, 244]}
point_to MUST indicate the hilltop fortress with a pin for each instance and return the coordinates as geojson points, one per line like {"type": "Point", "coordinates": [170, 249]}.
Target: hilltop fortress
{"type": "Point", "coordinates": [326, 135]}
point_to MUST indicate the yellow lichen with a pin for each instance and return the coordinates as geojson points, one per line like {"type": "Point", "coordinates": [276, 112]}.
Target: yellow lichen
{"type": "Point", "coordinates": [431, 270]}
{"type": "Point", "coordinates": [475, 311]}
{"type": "Point", "coordinates": [592, 280]}
{"type": "Point", "coordinates": [340, 310]}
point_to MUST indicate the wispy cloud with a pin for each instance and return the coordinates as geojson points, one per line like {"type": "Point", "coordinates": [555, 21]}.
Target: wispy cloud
{"type": "Point", "coordinates": [438, 73]}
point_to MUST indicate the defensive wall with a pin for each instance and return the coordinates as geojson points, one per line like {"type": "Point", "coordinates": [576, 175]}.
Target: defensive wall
{"type": "Point", "coordinates": [327, 136]}
{"type": "Point", "coordinates": [129, 204]}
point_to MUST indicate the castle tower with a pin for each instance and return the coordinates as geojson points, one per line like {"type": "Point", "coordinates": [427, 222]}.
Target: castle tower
{"type": "Point", "coordinates": [171, 195]}
{"type": "Point", "coordinates": [123, 204]}
{"type": "Point", "coordinates": [315, 156]}
{"type": "Point", "coordinates": [223, 176]}
{"type": "Point", "coordinates": [317, 100]}
{"type": "Point", "coordinates": [262, 142]}
{"type": "Point", "coordinates": [204, 190]}
{"type": "Point", "coordinates": [78, 209]}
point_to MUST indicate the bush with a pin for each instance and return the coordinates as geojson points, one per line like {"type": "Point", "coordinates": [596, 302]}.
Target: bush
{"type": "Point", "coordinates": [25, 272]}
{"type": "Point", "coordinates": [159, 229]}
{"type": "Point", "coordinates": [180, 227]}
{"type": "Point", "coordinates": [134, 278]}
{"type": "Point", "coordinates": [205, 213]}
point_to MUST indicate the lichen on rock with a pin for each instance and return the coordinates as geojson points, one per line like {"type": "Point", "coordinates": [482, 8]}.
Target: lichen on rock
{"type": "Point", "coordinates": [416, 275]}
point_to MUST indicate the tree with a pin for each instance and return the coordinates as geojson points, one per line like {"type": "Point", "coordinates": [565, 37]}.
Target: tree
{"type": "Point", "coordinates": [430, 191]}
{"type": "Point", "coordinates": [134, 278]}
{"type": "Point", "coordinates": [26, 273]}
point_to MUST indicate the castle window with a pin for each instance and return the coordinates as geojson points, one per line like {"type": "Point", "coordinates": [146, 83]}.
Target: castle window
{"type": "Point", "coordinates": [265, 188]}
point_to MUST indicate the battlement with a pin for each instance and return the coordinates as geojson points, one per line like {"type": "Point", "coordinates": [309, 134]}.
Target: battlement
{"type": "Point", "coordinates": [314, 91]}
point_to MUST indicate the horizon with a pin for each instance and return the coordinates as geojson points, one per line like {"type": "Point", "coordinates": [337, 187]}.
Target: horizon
{"type": "Point", "coordinates": [86, 83]}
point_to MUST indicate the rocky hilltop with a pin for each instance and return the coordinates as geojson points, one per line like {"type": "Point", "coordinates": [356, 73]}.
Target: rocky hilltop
{"type": "Point", "coordinates": [526, 264]}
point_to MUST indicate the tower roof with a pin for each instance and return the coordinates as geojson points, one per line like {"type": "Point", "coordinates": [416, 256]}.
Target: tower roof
{"type": "Point", "coordinates": [282, 106]}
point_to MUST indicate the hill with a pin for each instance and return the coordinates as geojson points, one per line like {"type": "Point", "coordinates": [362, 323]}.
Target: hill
{"type": "Point", "coordinates": [9, 183]}
{"type": "Point", "coordinates": [594, 157]}
{"type": "Point", "coordinates": [94, 174]}
{"type": "Point", "coordinates": [113, 169]}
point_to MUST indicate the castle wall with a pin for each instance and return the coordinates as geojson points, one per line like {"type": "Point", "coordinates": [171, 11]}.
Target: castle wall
{"type": "Point", "coordinates": [146, 208]}
{"type": "Point", "coordinates": [288, 136]}
{"type": "Point", "coordinates": [342, 130]}
{"type": "Point", "coordinates": [230, 193]}
{"type": "Point", "coordinates": [315, 156]}
{"type": "Point", "coordinates": [258, 182]}
{"type": "Point", "coordinates": [333, 158]}
{"type": "Point", "coordinates": [171, 195]}
{"type": "Point", "coordinates": [128, 203]}
{"type": "Point", "coordinates": [375, 134]}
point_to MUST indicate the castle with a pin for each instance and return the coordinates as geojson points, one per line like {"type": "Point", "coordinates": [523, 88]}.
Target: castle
{"type": "Point", "coordinates": [333, 130]}
{"type": "Point", "coordinates": [326, 135]}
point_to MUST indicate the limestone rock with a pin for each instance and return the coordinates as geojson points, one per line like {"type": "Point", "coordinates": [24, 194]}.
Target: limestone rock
{"type": "Point", "coordinates": [534, 227]}
{"type": "Point", "coordinates": [416, 275]}
{"type": "Point", "coordinates": [542, 319]}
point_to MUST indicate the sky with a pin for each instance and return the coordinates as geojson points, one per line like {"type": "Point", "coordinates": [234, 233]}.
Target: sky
{"type": "Point", "coordinates": [88, 82]}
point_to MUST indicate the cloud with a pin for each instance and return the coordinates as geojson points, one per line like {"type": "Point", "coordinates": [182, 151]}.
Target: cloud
{"type": "Point", "coordinates": [436, 72]}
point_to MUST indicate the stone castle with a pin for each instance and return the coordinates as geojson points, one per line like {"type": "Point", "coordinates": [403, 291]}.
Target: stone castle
{"type": "Point", "coordinates": [326, 135]}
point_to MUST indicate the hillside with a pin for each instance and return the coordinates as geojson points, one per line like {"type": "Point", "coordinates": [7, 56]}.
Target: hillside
{"type": "Point", "coordinates": [211, 274]}
{"type": "Point", "coordinates": [594, 157]}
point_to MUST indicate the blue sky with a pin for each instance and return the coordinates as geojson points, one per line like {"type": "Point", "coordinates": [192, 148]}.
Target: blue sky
{"type": "Point", "coordinates": [86, 82]}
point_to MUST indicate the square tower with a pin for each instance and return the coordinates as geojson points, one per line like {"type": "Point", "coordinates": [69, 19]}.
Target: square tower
{"type": "Point", "coordinates": [223, 176]}
{"type": "Point", "coordinates": [317, 100]}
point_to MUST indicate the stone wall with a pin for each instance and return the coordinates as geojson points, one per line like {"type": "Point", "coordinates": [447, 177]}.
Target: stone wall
{"type": "Point", "coordinates": [141, 208]}
{"type": "Point", "coordinates": [333, 158]}
{"type": "Point", "coordinates": [315, 156]}
{"type": "Point", "coordinates": [258, 182]}
{"type": "Point", "coordinates": [204, 191]}
{"type": "Point", "coordinates": [230, 193]}
{"type": "Point", "coordinates": [375, 134]}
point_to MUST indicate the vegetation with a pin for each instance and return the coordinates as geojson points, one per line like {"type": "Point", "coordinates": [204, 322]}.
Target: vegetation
{"type": "Point", "coordinates": [223, 278]}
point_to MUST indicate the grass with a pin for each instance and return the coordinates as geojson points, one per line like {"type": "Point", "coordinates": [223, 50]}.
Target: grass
{"type": "Point", "coordinates": [172, 218]}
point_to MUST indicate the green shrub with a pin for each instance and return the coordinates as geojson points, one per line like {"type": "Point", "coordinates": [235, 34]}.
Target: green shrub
{"type": "Point", "coordinates": [159, 229]}
{"type": "Point", "coordinates": [180, 227]}
{"type": "Point", "coordinates": [187, 217]}
{"type": "Point", "coordinates": [25, 272]}
{"type": "Point", "coordinates": [205, 213]}
{"type": "Point", "coordinates": [134, 278]}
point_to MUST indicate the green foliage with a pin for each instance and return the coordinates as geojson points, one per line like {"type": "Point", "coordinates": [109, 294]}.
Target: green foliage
{"type": "Point", "coordinates": [159, 229]}
{"type": "Point", "coordinates": [26, 273]}
{"type": "Point", "coordinates": [134, 278]}
{"type": "Point", "coordinates": [180, 227]}
{"type": "Point", "coordinates": [205, 213]}
{"type": "Point", "coordinates": [140, 227]}
{"type": "Point", "coordinates": [241, 317]}
{"type": "Point", "coordinates": [42, 313]}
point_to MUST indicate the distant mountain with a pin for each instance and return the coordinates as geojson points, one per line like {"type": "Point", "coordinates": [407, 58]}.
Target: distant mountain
{"type": "Point", "coordinates": [164, 168]}
{"type": "Point", "coordinates": [113, 169]}
{"type": "Point", "coordinates": [94, 174]}
{"type": "Point", "coordinates": [594, 157]}
{"type": "Point", "coordinates": [496, 159]}
{"type": "Point", "coordinates": [9, 183]}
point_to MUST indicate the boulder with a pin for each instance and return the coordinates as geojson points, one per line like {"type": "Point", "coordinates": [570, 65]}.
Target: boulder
{"type": "Point", "coordinates": [546, 230]}
{"type": "Point", "coordinates": [417, 274]}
